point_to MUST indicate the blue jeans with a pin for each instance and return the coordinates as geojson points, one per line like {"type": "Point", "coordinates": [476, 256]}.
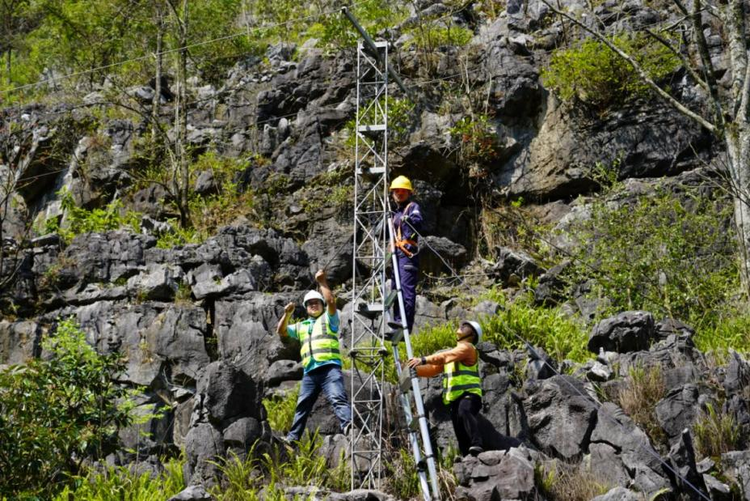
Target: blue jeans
{"type": "Point", "coordinates": [330, 380]}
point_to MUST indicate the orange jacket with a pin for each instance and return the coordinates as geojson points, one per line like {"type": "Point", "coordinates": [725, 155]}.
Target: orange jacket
{"type": "Point", "coordinates": [464, 352]}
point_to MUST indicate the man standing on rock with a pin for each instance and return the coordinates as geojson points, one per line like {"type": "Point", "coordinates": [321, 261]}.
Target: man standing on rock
{"type": "Point", "coordinates": [462, 386]}
{"type": "Point", "coordinates": [321, 357]}
{"type": "Point", "coordinates": [407, 221]}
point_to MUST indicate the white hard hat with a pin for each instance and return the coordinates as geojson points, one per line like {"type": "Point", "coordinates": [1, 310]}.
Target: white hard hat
{"type": "Point", "coordinates": [313, 295]}
{"type": "Point", "coordinates": [477, 328]}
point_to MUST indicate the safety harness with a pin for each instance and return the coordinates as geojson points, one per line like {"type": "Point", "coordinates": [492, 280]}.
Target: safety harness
{"type": "Point", "coordinates": [402, 242]}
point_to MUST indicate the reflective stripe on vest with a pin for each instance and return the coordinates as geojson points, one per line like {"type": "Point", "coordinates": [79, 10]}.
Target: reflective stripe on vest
{"type": "Point", "coordinates": [459, 379]}
{"type": "Point", "coordinates": [322, 345]}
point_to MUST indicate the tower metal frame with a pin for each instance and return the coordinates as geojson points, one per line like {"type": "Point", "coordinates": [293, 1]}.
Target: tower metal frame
{"type": "Point", "coordinates": [371, 296]}
{"type": "Point", "coordinates": [367, 346]}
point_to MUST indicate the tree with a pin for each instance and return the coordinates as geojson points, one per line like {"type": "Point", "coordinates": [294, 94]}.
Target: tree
{"type": "Point", "coordinates": [15, 19]}
{"type": "Point", "coordinates": [56, 413]}
{"type": "Point", "coordinates": [727, 115]}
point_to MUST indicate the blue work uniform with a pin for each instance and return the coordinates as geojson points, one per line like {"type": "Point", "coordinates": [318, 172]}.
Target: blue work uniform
{"type": "Point", "coordinates": [407, 257]}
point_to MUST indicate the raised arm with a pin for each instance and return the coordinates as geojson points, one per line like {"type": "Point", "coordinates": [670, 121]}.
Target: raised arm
{"type": "Point", "coordinates": [284, 320]}
{"type": "Point", "coordinates": [325, 289]}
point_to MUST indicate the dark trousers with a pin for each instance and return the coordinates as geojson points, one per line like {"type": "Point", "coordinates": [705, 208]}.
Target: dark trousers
{"type": "Point", "coordinates": [408, 270]}
{"type": "Point", "coordinates": [330, 380]}
{"type": "Point", "coordinates": [464, 416]}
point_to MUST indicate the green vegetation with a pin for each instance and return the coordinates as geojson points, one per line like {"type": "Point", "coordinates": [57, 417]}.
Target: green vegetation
{"type": "Point", "coordinates": [335, 31]}
{"type": "Point", "coordinates": [58, 412]}
{"type": "Point", "coordinates": [263, 476]}
{"type": "Point", "coordinates": [715, 433]}
{"type": "Point", "coordinates": [281, 410]}
{"type": "Point", "coordinates": [125, 483]}
{"type": "Point", "coordinates": [672, 255]}
{"type": "Point", "coordinates": [478, 139]}
{"type": "Point", "coordinates": [79, 221]}
{"type": "Point", "coordinates": [595, 75]}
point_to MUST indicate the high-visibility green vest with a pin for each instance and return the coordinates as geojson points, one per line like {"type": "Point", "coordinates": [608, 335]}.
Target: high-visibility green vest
{"type": "Point", "coordinates": [459, 379]}
{"type": "Point", "coordinates": [321, 345]}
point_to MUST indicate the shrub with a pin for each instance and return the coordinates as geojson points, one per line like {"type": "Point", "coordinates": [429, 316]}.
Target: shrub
{"type": "Point", "coordinates": [673, 256]}
{"type": "Point", "coordinates": [79, 220]}
{"type": "Point", "coordinates": [334, 30]}
{"type": "Point", "coordinates": [56, 413]}
{"type": "Point", "coordinates": [432, 36]}
{"type": "Point", "coordinates": [595, 75]}
{"type": "Point", "coordinates": [478, 139]}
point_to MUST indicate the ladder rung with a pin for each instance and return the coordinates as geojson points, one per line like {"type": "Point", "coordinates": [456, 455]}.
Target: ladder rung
{"type": "Point", "coordinates": [405, 382]}
{"type": "Point", "coordinates": [371, 128]}
{"type": "Point", "coordinates": [397, 337]}
{"type": "Point", "coordinates": [389, 300]}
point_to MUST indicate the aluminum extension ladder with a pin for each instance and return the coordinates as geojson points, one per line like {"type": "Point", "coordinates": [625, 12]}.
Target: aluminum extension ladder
{"type": "Point", "coordinates": [410, 395]}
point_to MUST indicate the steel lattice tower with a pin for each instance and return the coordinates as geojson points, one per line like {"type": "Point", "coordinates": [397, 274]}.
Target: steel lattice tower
{"type": "Point", "coordinates": [371, 295]}
{"type": "Point", "coordinates": [370, 249]}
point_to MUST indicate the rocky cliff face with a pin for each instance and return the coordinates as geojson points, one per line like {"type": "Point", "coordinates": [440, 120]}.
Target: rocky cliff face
{"type": "Point", "coordinates": [196, 322]}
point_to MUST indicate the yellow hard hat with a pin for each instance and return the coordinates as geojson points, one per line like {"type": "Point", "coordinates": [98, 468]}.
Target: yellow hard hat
{"type": "Point", "coordinates": [401, 182]}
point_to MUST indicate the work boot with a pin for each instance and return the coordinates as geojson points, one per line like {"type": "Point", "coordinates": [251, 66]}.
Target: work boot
{"type": "Point", "coordinates": [395, 325]}
{"type": "Point", "coordinates": [475, 450]}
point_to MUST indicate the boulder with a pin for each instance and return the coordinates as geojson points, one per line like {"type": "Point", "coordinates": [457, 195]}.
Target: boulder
{"type": "Point", "coordinates": [246, 333]}
{"type": "Point", "coordinates": [225, 394]}
{"type": "Point", "coordinates": [628, 331]}
{"type": "Point", "coordinates": [511, 267]}
{"type": "Point", "coordinates": [204, 446]}
{"type": "Point", "coordinates": [560, 417]}
{"type": "Point", "coordinates": [192, 493]}
{"type": "Point", "coordinates": [618, 494]}
{"type": "Point", "coordinates": [622, 453]}
{"type": "Point", "coordinates": [432, 249]}
{"type": "Point", "coordinates": [496, 475]}
{"type": "Point", "coordinates": [678, 410]}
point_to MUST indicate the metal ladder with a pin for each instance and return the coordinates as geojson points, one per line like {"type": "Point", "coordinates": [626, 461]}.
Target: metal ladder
{"type": "Point", "coordinates": [410, 394]}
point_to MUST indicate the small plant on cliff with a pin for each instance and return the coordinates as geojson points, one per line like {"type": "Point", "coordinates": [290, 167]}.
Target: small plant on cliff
{"type": "Point", "coordinates": [281, 410]}
{"type": "Point", "coordinates": [477, 139]}
{"type": "Point", "coordinates": [715, 433]}
{"type": "Point", "coordinates": [79, 220]}
{"type": "Point", "coordinates": [57, 413]}
{"type": "Point", "coordinates": [638, 399]}
{"type": "Point", "coordinates": [595, 75]}
{"type": "Point", "coordinates": [558, 482]}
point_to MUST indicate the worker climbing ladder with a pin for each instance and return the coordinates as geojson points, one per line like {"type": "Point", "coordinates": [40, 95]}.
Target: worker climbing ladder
{"type": "Point", "coordinates": [372, 295]}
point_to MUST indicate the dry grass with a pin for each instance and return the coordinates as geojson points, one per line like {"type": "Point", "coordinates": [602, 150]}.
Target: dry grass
{"type": "Point", "coordinates": [645, 388]}
{"type": "Point", "coordinates": [560, 482]}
